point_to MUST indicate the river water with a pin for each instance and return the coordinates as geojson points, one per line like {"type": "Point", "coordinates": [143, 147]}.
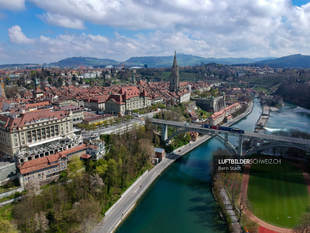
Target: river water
{"type": "Point", "coordinates": [181, 200]}
{"type": "Point", "coordinates": [289, 117]}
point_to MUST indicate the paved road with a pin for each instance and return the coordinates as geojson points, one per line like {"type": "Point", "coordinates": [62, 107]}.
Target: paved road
{"type": "Point", "coordinates": [114, 129]}
{"type": "Point", "coordinates": [121, 127]}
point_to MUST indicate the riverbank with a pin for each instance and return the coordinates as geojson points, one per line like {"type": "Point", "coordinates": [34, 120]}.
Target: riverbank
{"type": "Point", "coordinates": [262, 121]}
{"type": "Point", "coordinates": [221, 195]}
{"type": "Point", "coordinates": [122, 208]}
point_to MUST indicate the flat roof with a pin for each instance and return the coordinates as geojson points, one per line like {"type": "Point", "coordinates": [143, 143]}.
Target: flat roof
{"type": "Point", "coordinates": [43, 142]}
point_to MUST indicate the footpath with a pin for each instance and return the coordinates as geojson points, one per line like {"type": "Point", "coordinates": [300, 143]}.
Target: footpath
{"type": "Point", "coordinates": [120, 210]}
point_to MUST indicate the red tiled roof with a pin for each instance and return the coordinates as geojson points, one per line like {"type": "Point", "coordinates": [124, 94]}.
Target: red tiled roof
{"type": "Point", "coordinates": [28, 117]}
{"type": "Point", "coordinates": [40, 163]}
{"type": "Point", "coordinates": [85, 156]}
{"type": "Point", "coordinates": [39, 104]}
{"type": "Point", "coordinates": [74, 149]}
{"type": "Point", "coordinates": [129, 92]}
{"type": "Point", "coordinates": [47, 161]}
{"type": "Point", "coordinates": [220, 113]}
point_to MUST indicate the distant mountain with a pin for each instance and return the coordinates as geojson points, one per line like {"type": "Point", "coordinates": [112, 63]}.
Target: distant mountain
{"type": "Point", "coordinates": [164, 61]}
{"type": "Point", "coordinates": [84, 61]}
{"type": "Point", "coordinates": [292, 61]}
{"type": "Point", "coordinates": [185, 60]}
{"type": "Point", "coordinates": [150, 61]}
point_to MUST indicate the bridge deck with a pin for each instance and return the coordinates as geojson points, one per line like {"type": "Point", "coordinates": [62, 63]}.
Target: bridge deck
{"type": "Point", "coordinates": [269, 137]}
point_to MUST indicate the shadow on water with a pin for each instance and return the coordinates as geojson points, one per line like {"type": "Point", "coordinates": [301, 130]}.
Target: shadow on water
{"type": "Point", "coordinates": [204, 207]}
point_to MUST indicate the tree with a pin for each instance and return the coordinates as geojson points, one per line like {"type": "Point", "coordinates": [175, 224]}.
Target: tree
{"type": "Point", "coordinates": [74, 166]}
{"type": "Point", "coordinates": [102, 167]}
{"type": "Point", "coordinates": [6, 226]}
{"type": "Point", "coordinates": [111, 174]}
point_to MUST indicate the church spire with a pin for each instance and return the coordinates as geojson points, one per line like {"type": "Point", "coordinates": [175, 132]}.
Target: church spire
{"type": "Point", "coordinates": [174, 77]}
{"type": "Point", "coordinates": [175, 59]}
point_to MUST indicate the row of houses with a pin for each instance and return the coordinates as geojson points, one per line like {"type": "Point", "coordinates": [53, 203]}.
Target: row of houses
{"type": "Point", "coordinates": [218, 117]}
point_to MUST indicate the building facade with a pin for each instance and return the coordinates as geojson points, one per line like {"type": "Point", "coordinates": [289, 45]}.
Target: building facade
{"type": "Point", "coordinates": [218, 117]}
{"type": "Point", "coordinates": [129, 99]}
{"type": "Point", "coordinates": [36, 134]}
{"type": "Point", "coordinates": [42, 170]}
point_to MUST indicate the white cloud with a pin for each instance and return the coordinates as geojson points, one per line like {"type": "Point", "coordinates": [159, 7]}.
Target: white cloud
{"type": "Point", "coordinates": [155, 14]}
{"type": "Point", "coordinates": [17, 36]}
{"type": "Point", "coordinates": [209, 28]}
{"type": "Point", "coordinates": [12, 4]}
{"type": "Point", "coordinates": [63, 21]}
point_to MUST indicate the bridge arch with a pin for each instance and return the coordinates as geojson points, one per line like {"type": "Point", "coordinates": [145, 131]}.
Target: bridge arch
{"type": "Point", "coordinates": [271, 145]}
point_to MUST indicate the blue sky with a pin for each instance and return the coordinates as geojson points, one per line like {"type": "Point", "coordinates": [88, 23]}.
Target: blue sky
{"type": "Point", "coordinates": [300, 2]}
{"type": "Point", "coordinates": [45, 31]}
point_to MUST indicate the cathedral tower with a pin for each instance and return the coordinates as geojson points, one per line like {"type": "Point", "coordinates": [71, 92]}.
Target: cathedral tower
{"type": "Point", "coordinates": [175, 76]}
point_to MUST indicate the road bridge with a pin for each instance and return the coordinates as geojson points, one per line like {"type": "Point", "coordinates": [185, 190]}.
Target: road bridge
{"type": "Point", "coordinates": [260, 139]}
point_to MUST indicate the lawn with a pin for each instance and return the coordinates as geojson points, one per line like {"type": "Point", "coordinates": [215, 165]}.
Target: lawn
{"type": "Point", "coordinates": [278, 194]}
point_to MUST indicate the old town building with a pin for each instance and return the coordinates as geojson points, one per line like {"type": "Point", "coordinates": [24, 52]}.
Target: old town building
{"type": "Point", "coordinates": [218, 117]}
{"type": "Point", "coordinates": [42, 170]}
{"type": "Point", "coordinates": [128, 99]}
{"type": "Point", "coordinates": [31, 135]}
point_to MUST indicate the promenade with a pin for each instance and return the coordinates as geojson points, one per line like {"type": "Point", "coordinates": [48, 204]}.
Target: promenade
{"type": "Point", "coordinates": [118, 212]}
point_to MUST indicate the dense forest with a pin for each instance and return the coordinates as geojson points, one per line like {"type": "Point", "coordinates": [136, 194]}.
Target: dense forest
{"type": "Point", "coordinates": [79, 199]}
{"type": "Point", "coordinates": [295, 93]}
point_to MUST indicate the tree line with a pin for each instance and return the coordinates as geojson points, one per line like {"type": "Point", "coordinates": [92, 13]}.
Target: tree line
{"type": "Point", "coordinates": [76, 203]}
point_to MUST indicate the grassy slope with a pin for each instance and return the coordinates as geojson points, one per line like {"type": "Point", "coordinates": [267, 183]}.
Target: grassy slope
{"type": "Point", "coordinates": [278, 194]}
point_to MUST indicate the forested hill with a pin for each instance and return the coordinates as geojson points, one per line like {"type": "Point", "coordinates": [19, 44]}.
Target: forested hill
{"type": "Point", "coordinates": [295, 92]}
{"type": "Point", "coordinates": [143, 61]}
{"type": "Point", "coordinates": [184, 60]}
{"type": "Point", "coordinates": [84, 61]}
{"type": "Point", "coordinates": [292, 61]}
{"type": "Point", "coordinates": [152, 61]}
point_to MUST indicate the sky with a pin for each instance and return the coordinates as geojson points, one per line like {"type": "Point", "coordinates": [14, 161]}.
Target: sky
{"type": "Point", "coordinates": [42, 31]}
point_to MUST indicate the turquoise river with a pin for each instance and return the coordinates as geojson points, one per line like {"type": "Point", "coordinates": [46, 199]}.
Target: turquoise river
{"type": "Point", "coordinates": [180, 200]}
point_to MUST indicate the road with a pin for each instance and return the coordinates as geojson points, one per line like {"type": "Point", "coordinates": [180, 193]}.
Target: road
{"type": "Point", "coordinates": [114, 129]}
{"type": "Point", "coordinates": [121, 127]}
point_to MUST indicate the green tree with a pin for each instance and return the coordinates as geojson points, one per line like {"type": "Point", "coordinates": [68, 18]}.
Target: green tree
{"type": "Point", "coordinates": [111, 174]}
